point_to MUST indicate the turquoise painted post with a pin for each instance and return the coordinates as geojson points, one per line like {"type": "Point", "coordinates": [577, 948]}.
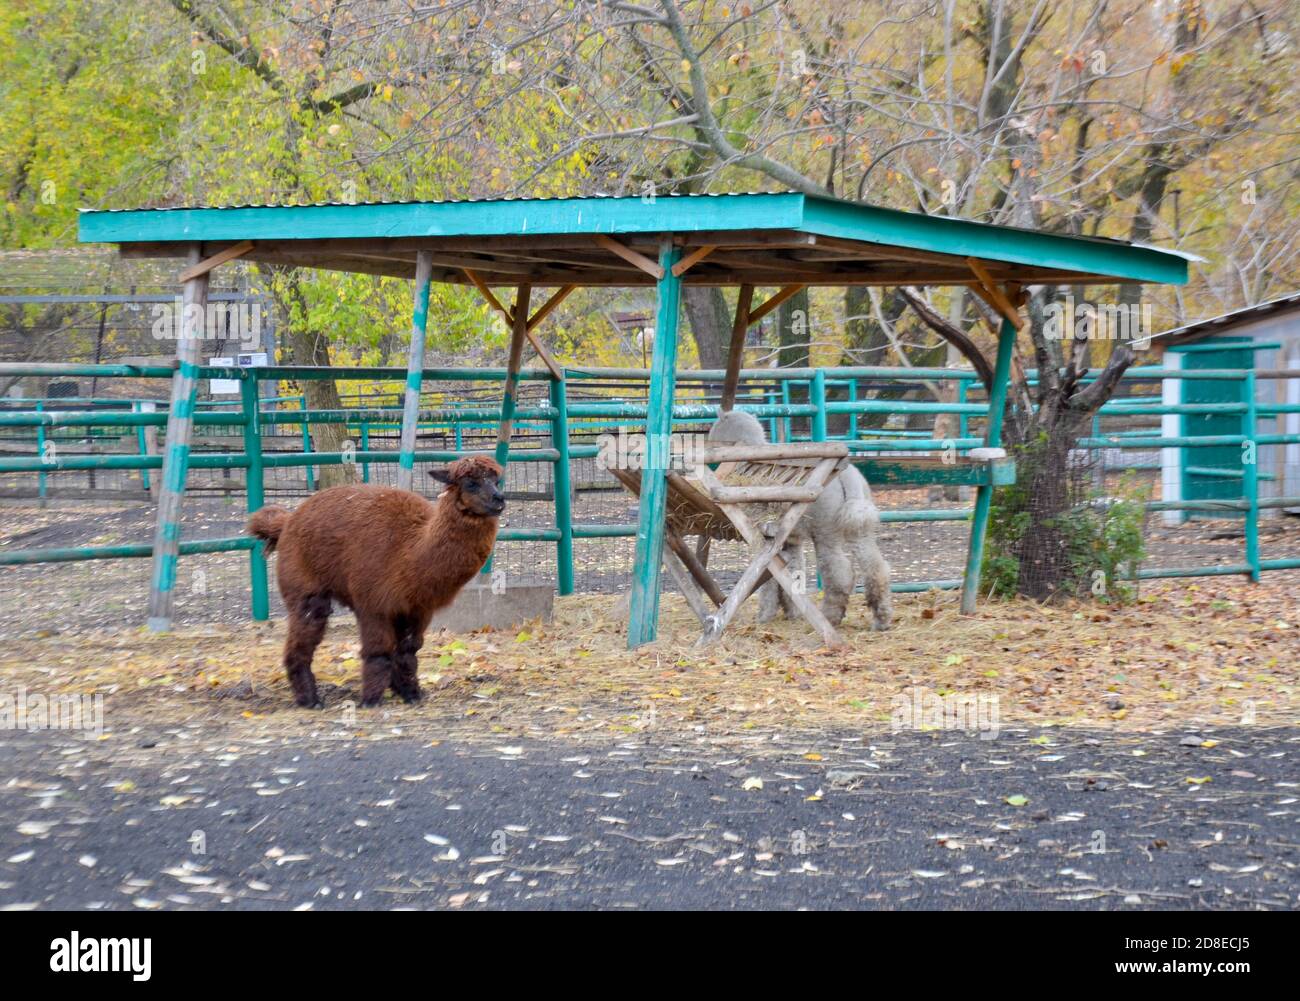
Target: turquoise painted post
{"type": "Point", "coordinates": [306, 445]}
{"type": "Point", "coordinates": [414, 371]}
{"type": "Point", "coordinates": [142, 443]}
{"type": "Point", "coordinates": [365, 447]}
{"type": "Point", "coordinates": [40, 450]}
{"type": "Point", "coordinates": [1250, 477]}
{"type": "Point", "coordinates": [963, 420]}
{"type": "Point", "coordinates": [643, 621]}
{"type": "Point", "coordinates": [818, 391]}
{"type": "Point", "coordinates": [984, 492]}
{"type": "Point", "coordinates": [254, 489]}
{"type": "Point", "coordinates": [853, 418]}
{"type": "Point", "coordinates": [180, 428]}
{"type": "Point", "coordinates": [561, 478]}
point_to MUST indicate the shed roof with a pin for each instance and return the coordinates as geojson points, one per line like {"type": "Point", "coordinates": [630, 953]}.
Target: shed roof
{"type": "Point", "coordinates": [1226, 322]}
{"type": "Point", "coordinates": [776, 238]}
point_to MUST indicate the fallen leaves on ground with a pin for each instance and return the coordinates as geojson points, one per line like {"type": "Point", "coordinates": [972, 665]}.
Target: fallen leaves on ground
{"type": "Point", "coordinates": [1215, 652]}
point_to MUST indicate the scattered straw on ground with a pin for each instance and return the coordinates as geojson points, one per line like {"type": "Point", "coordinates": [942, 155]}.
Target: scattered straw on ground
{"type": "Point", "coordinates": [1207, 653]}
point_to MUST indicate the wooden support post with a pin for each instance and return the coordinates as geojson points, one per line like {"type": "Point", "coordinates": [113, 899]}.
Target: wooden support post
{"type": "Point", "coordinates": [693, 258]}
{"type": "Point", "coordinates": [1000, 300]}
{"type": "Point", "coordinates": [557, 372]}
{"type": "Point", "coordinates": [562, 293]}
{"type": "Point", "coordinates": [736, 351]}
{"type": "Point", "coordinates": [414, 371]}
{"type": "Point", "coordinates": [486, 293]}
{"type": "Point", "coordinates": [518, 318]}
{"type": "Point", "coordinates": [643, 620]}
{"type": "Point", "coordinates": [176, 460]}
{"type": "Point", "coordinates": [984, 492]}
{"type": "Point", "coordinates": [551, 364]}
{"type": "Point", "coordinates": [518, 333]}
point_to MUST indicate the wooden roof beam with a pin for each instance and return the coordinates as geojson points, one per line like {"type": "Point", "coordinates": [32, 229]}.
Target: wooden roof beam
{"type": "Point", "coordinates": [531, 323]}
{"type": "Point", "coordinates": [486, 293]}
{"type": "Point", "coordinates": [206, 265]}
{"type": "Point", "coordinates": [560, 295]}
{"type": "Point", "coordinates": [786, 293]}
{"type": "Point", "coordinates": [629, 255]}
{"type": "Point", "coordinates": [550, 304]}
{"type": "Point", "coordinates": [692, 259]}
{"type": "Point", "coordinates": [988, 289]}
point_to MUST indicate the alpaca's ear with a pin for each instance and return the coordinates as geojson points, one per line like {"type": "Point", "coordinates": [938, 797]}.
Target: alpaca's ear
{"type": "Point", "coordinates": [441, 475]}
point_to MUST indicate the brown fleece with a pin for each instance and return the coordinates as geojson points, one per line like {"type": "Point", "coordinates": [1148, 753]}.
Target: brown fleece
{"type": "Point", "coordinates": [391, 556]}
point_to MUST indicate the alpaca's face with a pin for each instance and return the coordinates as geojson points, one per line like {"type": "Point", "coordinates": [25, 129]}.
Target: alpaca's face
{"type": "Point", "coordinates": [476, 482]}
{"type": "Point", "coordinates": [482, 495]}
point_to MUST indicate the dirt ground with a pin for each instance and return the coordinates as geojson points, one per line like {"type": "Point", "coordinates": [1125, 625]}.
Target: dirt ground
{"type": "Point", "coordinates": [1215, 649]}
{"type": "Point", "coordinates": [1214, 652]}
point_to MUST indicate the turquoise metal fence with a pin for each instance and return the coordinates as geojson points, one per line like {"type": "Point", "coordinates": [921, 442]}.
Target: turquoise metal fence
{"type": "Point", "coordinates": [561, 418]}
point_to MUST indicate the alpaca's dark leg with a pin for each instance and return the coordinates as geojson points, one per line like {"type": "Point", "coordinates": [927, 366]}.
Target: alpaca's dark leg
{"type": "Point", "coordinates": [308, 618]}
{"type": "Point", "coordinates": [405, 681]}
{"type": "Point", "coordinates": [377, 648]}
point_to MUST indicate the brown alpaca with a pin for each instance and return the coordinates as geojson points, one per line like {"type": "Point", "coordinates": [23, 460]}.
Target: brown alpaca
{"type": "Point", "coordinates": [390, 556]}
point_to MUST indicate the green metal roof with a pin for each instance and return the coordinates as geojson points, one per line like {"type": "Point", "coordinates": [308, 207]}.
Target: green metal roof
{"type": "Point", "coordinates": [761, 238]}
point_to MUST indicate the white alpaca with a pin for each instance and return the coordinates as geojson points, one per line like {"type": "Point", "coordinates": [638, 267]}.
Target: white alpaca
{"type": "Point", "coordinates": [842, 524]}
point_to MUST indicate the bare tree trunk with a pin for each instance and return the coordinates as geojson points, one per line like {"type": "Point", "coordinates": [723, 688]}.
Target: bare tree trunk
{"type": "Point", "coordinates": [710, 319]}
{"type": "Point", "coordinates": [793, 337]}
{"type": "Point", "coordinates": [1043, 467]}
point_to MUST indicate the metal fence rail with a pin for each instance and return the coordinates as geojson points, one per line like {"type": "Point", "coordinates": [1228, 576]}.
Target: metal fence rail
{"type": "Point", "coordinates": [568, 427]}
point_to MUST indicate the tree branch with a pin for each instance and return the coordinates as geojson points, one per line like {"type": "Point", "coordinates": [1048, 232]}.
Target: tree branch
{"type": "Point", "coordinates": [344, 98]}
{"type": "Point", "coordinates": [951, 334]}
{"type": "Point", "coordinates": [1093, 396]}
{"type": "Point", "coordinates": [708, 125]}
{"type": "Point", "coordinates": [245, 55]}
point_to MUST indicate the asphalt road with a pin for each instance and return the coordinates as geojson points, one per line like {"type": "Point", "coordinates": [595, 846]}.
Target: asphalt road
{"type": "Point", "coordinates": [195, 820]}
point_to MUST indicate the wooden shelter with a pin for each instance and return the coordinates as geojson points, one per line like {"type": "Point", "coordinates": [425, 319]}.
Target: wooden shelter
{"type": "Point", "coordinates": [783, 240]}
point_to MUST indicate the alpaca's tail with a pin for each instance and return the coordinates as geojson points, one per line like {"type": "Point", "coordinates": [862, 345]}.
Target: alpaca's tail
{"type": "Point", "coordinates": [267, 524]}
{"type": "Point", "coordinates": [858, 515]}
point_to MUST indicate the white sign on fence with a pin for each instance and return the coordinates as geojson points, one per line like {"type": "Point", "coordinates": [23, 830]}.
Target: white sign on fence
{"type": "Point", "coordinates": [230, 387]}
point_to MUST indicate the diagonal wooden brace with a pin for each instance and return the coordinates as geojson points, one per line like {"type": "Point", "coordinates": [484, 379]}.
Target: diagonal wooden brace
{"type": "Point", "coordinates": [768, 558]}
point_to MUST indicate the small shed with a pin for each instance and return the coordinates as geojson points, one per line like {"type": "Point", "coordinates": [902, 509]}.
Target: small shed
{"type": "Point", "coordinates": [1264, 339]}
